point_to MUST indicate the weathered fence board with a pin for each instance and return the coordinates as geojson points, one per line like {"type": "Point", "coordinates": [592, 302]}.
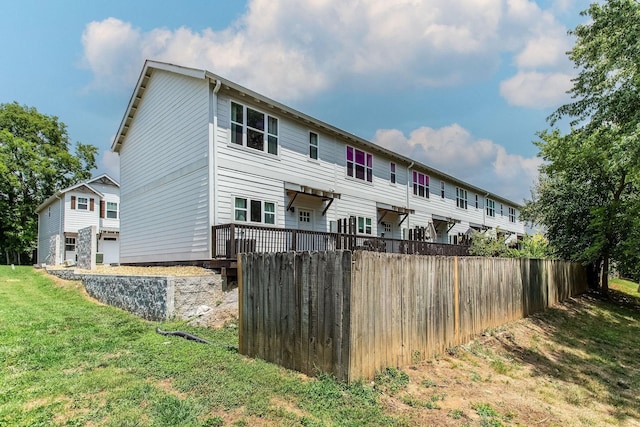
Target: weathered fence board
{"type": "Point", "coordinates": [353, 314]}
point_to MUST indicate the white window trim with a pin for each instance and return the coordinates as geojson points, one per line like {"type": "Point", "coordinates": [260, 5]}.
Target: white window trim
{"type": "Point", "coordinates": [346, 169]}
{"type": "Point", "coordinates": [393, 173]}
{"type": "Point", "coordinates": [414, 183]}
{"type": "Point", "coordinates": [86, 204]}
{"type": "Point", "coordinates": [247, 209]}
{"type": "Point", "coordinates": [367, 223]}
{"type": "Point", "coordinates": [317, 146]}
{"type": "Point", "coordinates": [490, 208]}
{"type": "Point", "coordinates": [462, 198]}
{"type": "Point", "coordinates": [266, 133]}
{"type": "Point", "coordinates": [107, 210]}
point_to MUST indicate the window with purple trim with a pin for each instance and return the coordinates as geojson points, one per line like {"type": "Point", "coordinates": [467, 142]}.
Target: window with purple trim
{"type": "Point", "coordinates": [420, 184]}
{"type": "Point", "coordinates": [359, 164]}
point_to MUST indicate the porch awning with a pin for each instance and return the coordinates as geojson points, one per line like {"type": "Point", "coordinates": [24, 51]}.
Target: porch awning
{"type": "Point", "coordinates": [294, 189]}
{"type": "Point", "coordinates": [475, 227]}
{"type": "Point", "coordinates": [399, 210]}
{"type": "Point", "coordinates": [445, 220]}
{"type": "Point", "coordinates": [110, 230]}
{"type": "Point", "coordinates": [395, 209]}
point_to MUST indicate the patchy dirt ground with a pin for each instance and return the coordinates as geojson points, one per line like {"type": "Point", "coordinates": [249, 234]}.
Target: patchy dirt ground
{"type": "Point", "coordinates": [551, 369]}
{"type": "Point", "coordinates": [574, 365]}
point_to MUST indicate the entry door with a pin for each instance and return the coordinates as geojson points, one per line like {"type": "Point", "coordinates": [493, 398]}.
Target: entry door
{"type": "Point", "coordinates": [304, 241]}
{"type": "Point", "coordinates": [305, 219]}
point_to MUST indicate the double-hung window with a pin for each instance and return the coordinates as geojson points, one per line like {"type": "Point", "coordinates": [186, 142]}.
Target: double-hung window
{"type": "Point", "coordinates": [420, 184]}
{"type": "Point", "coordinates": [491, 208]}
{"type": "Point", "coordinates": [512, 214]}
{"type": "Point", "coordinates": [253, 129]}
{"type": "Point", "coordinates": [393, 172]}
{"type": "Point", "coordinates": [359, 164]}
{"type": "Point", "coordinates": [313, 145]}
{"type": "Point", "coordinates": [112, 210]}
{"type": "Point", "coordinates": [70, 244]}
{"type": "Point", "coordinates": [364, 225]}
{"type": "Point", "coordinates": [461, 198]}
{"type": "Point", "coordinates": [247, 210]}
{"type": "Point", "coordinates": [442, 189]}
{"type": "Point", "coordinates": [83, 203]}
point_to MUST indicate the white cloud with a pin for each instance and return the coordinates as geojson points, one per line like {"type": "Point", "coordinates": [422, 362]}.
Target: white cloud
{"type": "Point", "coordinates": [290, 49]}
{"type": "Point", "coordinates": [536, 90]}
{"type": "Point", "coordinates": [480, 162]}
{"type": "Point", "coordinates": [110, 164]}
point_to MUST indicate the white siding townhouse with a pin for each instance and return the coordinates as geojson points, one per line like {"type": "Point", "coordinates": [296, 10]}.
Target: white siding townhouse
{"type": "Point", "coordinates": [198, 152]}
{"type": "Point", "coordinates": [94, 202]}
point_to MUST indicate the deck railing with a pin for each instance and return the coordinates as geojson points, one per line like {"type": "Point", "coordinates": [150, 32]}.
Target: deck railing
{"type": "Point", "coordinates": [228, 240]}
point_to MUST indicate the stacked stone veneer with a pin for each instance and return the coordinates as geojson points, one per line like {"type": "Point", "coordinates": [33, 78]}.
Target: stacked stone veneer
{"type": "Point", "coordinates": [86, 247]}
{"type": "Point", "coordinates": [151, 297]}
{"type": "Point", "coordinates": [54, 247]}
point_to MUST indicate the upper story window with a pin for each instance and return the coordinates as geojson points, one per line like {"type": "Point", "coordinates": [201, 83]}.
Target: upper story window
{"type": "Point", "coordinates": [393, 172]}
{"type": "Point", "coordinates": [253, 129]}
{"type": "Point", "coordinates": [83, 203]}
{"type": "Point", "coordinates": [112, 210]}
{"type": "Point", "coordinates": [313, 145]}
{"type": "Point", "coordinates": [461, 198]}
{"type": "Point", "coordinates": [501, 210]}
{"type": "Point", "coordinates": [477, 203]}
{"type": "Point", "coordinates": [442, 189]}
{"type": "Point", "coordinates": [512, 214]}
{"type": "Point", "coordinates": [491, 208]}
{"type": "Point", "coordinates": [420, 184]}
{"type": "Point", "coordinates": [359, 164]}
{"type": "Point", "coordinates": [247, 210]}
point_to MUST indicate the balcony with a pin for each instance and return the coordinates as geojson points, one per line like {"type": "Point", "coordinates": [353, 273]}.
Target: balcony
{"type": "Point", "coordinates": [228, 240]}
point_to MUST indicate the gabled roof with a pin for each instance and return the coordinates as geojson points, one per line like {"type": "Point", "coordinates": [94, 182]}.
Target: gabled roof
{"type": "Point", "coordinates": [104, 178]}
{"type": "Point", "coordinates": [150, 66]}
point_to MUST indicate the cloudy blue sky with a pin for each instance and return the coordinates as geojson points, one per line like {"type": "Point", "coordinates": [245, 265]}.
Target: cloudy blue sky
{"type": "Point", "coordinates": [461, 85]}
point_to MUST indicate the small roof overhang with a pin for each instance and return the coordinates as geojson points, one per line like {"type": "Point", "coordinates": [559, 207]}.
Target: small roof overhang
{"type": "Point", "coordinates": [394, 209]}
{"type": "Point", "coordinates": [446, 219]}
{"type": "Point", "coordinates": [294, 189]}
{"type": "Point", "coordinates": [399, 210]}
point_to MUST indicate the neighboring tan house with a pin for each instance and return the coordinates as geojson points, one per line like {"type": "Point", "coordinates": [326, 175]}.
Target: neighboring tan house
{"type": "Point", "coordinates": [94, 202]}
{"type": "Point", "coordinates": [202, 157]}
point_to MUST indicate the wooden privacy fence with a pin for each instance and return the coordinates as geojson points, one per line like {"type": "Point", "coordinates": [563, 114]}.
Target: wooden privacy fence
{"type": "Point", "coordinates": [353, 314]}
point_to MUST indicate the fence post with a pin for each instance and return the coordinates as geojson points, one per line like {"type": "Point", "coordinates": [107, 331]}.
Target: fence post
{"type": "Point", "coordinates": [232, 241]}
{"type": "Point", "coordinates": [241, 344]}
{"type": "Point", "coordinates": [456, 299]}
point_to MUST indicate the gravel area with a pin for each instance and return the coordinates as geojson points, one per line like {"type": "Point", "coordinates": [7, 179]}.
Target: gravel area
{"type": "Point", "coordinates": [123, 270]}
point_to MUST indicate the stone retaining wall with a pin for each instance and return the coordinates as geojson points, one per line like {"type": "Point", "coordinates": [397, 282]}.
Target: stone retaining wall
{"type": "Point", "coordinates": [151, 297]}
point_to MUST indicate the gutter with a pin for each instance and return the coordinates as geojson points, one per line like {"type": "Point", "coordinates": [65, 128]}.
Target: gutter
{"type": "Point", "coordinates": [213, 161]}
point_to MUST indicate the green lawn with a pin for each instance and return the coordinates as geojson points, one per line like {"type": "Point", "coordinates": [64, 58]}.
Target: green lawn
{"type": "Point", "coordinates": [67, 361]}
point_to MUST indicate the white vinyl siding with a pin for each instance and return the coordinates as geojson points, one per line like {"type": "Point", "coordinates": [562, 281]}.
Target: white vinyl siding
{"type": "Point", "coordinates": [164, 202]}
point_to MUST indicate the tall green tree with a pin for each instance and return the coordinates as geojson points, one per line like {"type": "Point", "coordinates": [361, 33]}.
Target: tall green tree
{"type": "Point", "coordinates": [587, 195]}
{"type": "Point", "coordinates": [35, 162]}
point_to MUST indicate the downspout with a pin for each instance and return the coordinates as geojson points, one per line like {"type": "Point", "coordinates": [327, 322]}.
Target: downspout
{"type": "Point", "coordinates": [408, 197]}
{"type": "Point", "coordinates": [484, 211]}
{"type": "Point", "coordinates": [62, 244]}
{"type": "Point", "coordinates": [213, 164]}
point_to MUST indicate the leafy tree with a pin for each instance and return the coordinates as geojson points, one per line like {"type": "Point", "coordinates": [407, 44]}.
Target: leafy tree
{"type": "Point", "coordinates": [35, 162]}
{"type": "Point", "coordinates": [587, 195]}
{"type": "Point", "coordinates": [495, 245]}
